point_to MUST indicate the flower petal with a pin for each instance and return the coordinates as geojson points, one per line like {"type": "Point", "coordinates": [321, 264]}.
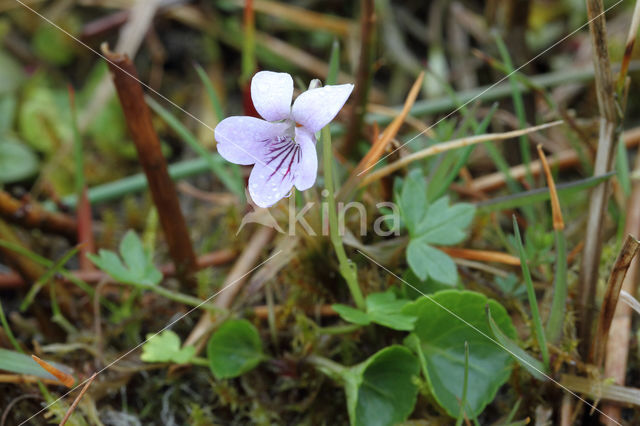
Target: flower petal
{"type": "Point", "coordinates": [271, 93]}
{"type": "Point", "coordinates": [307, 170]}
{"type": "Point", "coordinates": [268, 185]}
{"type": "Point", "coordinates": [315, 108]}
{"type": "Point", "coordinates": [242, 140]}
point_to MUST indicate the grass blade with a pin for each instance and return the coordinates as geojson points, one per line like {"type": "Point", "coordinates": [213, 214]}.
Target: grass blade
{"type": "Point", "coordinates": [531, 364]}
{"type": "Point", "coordinates": [535, 314]}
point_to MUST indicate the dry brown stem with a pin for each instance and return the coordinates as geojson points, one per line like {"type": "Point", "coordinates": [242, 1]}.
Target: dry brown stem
{"type": "Point", "coordinates": [606, 143]}
{"type": "Point", "coordinates": [363, 77]}
{"type": "Point", "coordinates": [627, 253]}
{"type": "Point", "coordinates": [446, 146]}
{"type": "Point", "coordinates": [561, 160]}
{"type": "Point", "coordinates": [31, 216]}
{"type": "Point", "coordinates": [381, 143]}
{"type": "Point", "coordinates": [77, 400]}
{"type": "Point", "coordinates": [219, 257]}
{"type": "Point", "coordinates": [617, 351]}
{"type": "Point", "coordinates": [147, 144]}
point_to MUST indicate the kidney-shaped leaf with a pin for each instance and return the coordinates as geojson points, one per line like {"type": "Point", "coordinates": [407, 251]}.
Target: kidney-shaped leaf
{"type": "Point", "coordinates": [380, 391]}
{"type": "Point", "coordinates": [234, 349]}
{"type": "Point", "coordinates": [442, 338]}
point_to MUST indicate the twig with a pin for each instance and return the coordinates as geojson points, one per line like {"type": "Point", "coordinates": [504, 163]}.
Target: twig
{"type": "Point", "coordinates": [163, 190]}
{"type": "Point", "coordinates": [245, 262]}
{"type": "Point", "coordinates": [446, 146]}
{"type": "Point", "coordinates": [31, 216]}
{"type": "Point", "coordinates": [363, 78]}
{"type": "Point", "coordinates": [482, 255]}
{"type": "Point", "coordinates": [588, 276]}
{"type": "Point", "coordinates": [561, 160]}
{"type": "Point", "coordinates": [615, 365]}
{"type": "Point", "coordinates": [77, 400]}
{"type": "Point", "coordinates": [381, 143]}
{"type": "Point", "coordinates": [629, 249]}
{"type": "Point", "coordinates": [219, 257]}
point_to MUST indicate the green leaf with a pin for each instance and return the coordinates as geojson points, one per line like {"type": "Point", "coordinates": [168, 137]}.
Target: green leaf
{"type": "Point", "coordinates": [11, 73]}
{"type": "Point", "coordinates": [444, 224]}
{"type": "Point", "coordinates": [442, 338]}
{"type": "Point", "coordinates": [350, 314]}
{"type": "Point", "coordinates": [380, 391]}
{"type": "Point", "coordinates": [139, 269]}
{"type": "Point", "coordinates": [234, 349]}
{"type": "Point", "coordinates": [413, 200]}
{"type": "Point", "coordinates": [165, 347]}
{"type": "Point", "coordinates": [427, 261]}
{"type": "Point", "coordinates": [17, 161]}
{"type": "Point", "coordinates": [52, 44]}
{"type": "Point", "coordinates": [133, 254]}
{"type": "Point", "coordinates": [532, 365]}
{"type": "Point", "coordinates": [382, 308]}
{"type": "Point", "coordinates": [18, 363]}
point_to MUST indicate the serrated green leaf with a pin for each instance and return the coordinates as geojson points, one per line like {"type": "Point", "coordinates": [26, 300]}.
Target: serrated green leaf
{"type": "Point", "coordinates": [350, 314]}
{"type": "Point", "coordinates": [234, 349]}
{"type": "Point", "coordinates": [110, 263]}
{"type": "Point", "coordinates": [138, 268]}
{"type": "Point", "coordinates": [165, 347]}
{"type": "Point", "coordinates": [133, 254]}
{"type": "Point", "coordinates": [380, 391]}
{"type": "Point", "coordinates": [384, 309]}
{"type": "Point", "coordinates": [442, 338]}
{"type": "Point", "coordinates": [427, 261]}
{"type": "Point", "coordinates": [444, 224]}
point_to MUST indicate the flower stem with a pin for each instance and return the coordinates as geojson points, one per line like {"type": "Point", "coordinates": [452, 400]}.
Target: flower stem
{"type": "Point", "coordinates": [347, 268]}
{"type": "Point", "coordinates": [330, 368]}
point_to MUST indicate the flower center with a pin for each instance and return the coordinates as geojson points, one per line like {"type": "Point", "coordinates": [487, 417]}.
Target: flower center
{"type": "Point", "coordinates": [282, 153]}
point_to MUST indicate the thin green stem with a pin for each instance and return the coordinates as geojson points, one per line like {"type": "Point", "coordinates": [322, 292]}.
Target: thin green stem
{"type": "Point", "coordinates": [347, 268]}
{"type": "Point", "coordinates": [331, 368]}
{"type": "Point", "coordinates": [533, 302]}
{"type": "Point", "coordinates": [181, 298]}
{"type": "Point", "coordinates": [518, 105]}
{"type": "Point", "coordinates": [7, 330]}
{"type": "Point", "coordinates": [339, 329]}
{"type": "Point", "coordinates": [556, 317]}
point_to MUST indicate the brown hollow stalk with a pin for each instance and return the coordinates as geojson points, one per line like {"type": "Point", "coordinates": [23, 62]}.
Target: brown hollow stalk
{"type": "Point", "coordinates": [617, 353]}
{"type": "Point", "coordinates": [614, 285]}
{"type": "Point", "coordinates": [31, 216]}
{"type": "Point", "coordinates": [588, 276]}
{"type": "Point", "coordinates": [363, 77]}
{"type": "Point", "coordinates": [163, 191]}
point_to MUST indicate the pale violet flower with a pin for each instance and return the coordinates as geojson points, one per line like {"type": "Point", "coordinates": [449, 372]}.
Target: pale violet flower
{"type": "Point", "coordinates": [282, 146]}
